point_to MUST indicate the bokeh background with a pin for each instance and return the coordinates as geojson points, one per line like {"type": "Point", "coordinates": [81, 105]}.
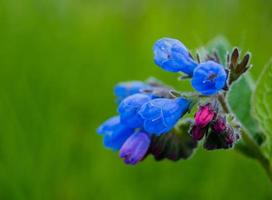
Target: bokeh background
{"type": "Point", "coordinates": [59, 60]}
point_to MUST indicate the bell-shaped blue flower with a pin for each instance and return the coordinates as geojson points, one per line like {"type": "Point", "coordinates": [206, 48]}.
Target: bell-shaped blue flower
{"type": "Point", "coordinates": [209, 77]}
{"type": "Point", "coordinates": [135, 148]}
{"type": "Point", "coordinates": [114, 133]}
{"type": "Point", "coordinates": [125, 89]}
{"type": "Point", "coordinates": [171, 55]}
{"type": "Point", "coordinates": [160, 115]}
{"type": "Point", "coordinates": [129, 108]}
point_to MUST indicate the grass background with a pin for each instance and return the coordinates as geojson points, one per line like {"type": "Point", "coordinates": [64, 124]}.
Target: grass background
{"type": "Point", "coordinates": [59, 60]}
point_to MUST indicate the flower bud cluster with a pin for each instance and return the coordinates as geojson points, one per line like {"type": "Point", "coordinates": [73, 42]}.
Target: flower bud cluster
{"type": "Point", "coordinates": [214, 127]}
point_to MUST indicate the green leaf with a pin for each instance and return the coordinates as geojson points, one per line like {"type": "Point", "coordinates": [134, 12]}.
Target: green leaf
{"type": "Point", "coordinates": [239, 99]}
{"type": "Point", "coordinates": [221, 45]}
{"type": "Point", "coordinates": [262, 100]}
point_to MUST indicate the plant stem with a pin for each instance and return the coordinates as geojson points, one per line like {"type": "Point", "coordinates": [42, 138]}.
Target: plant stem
{"type": "Point", "coordinates": [258, 154]}
{"type": "Point", "coordinates": [249, 143]}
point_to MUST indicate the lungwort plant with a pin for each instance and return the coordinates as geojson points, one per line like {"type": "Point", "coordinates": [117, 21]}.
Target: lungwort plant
{"type": "Point", "coordinates": [227, 109]}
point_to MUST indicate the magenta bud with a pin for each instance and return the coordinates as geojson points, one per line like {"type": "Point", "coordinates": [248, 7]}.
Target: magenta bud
{"type": "Point", "coordinates": [197, 132]}
{"type": "Point", "coordinates": [204, 115]}
{"type": "Point", "coordinates": [220, 125]}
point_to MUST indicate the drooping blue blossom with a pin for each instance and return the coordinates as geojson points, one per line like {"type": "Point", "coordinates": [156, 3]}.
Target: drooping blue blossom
{"type": "Point", "coordinates": [209, 78]}
{"type": "Point", "coordinates": [135, 148]}
{"type": "Point", "coordinates": [114, 133]}
{"type": "Point", "coordinates": [160, 115]}
{"type": "Point", "coordinates": [125, 89]}
{"type": "Point", "coordinates": [129, 108]}
{"type": "Point", "coordinates": [171, 55]}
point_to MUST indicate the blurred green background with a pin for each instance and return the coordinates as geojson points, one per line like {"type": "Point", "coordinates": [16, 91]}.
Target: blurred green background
{"type": "Point", "coordinates": [59, 60]}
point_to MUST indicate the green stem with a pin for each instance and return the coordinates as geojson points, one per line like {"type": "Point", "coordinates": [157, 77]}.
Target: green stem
{"type": "Point", "coordinates": [258, 154]}
{"type": "Point", "coordinates": [249, 144]}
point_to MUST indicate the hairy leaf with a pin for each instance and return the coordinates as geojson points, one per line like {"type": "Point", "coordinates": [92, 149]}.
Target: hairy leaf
{"type": "Point", "coordinates": [239, 98]}
{"type": "Point", "coordinates": [221, 45]}
{"type": "Point", "coordinates": [262, 100]}
{"type": "Point", "coordinates": [215, 49]}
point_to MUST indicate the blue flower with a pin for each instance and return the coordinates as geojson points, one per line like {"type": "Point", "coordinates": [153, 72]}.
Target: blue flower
{"type": "Point", "coordinates": [209, 77]}
{"type": "Point", "coordinates": [129, 108]}
{"type": "Point", "coordinates": [172, 55]}
{"type": "Point", "coordinates": [160, 115]}
{"type": "Point", "coordinates": [125, 89]}
{"type": "Point", "coordinates": [135, 148]}
{"type": "Point", "coordinates": [114, 133]}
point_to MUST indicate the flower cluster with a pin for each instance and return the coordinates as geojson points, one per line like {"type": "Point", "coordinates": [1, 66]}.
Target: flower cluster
{"type": "Point", "coordinates": [144, 110]}
{"type": "Point", "coordinates": [150, 113]}
{"type": "Point", "coordinates": [208, 77]}
{"type": "Point", "coordinates": [218, 133]}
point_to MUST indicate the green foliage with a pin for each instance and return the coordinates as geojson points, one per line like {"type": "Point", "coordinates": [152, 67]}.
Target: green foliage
{"type": "Point", "coordinates": [262, 103]}
{"type": "Point", "coordinates": [239, 99]}
{"type": "Point", "coordinates": [222, 46]}
{"type": "Point", "coordinates": [219, 45]}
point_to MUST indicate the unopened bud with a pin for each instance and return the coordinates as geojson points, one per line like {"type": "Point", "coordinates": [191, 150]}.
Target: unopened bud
{"type": "Point", "coordinates": [204, 115]}
{"type": "Point", "coordinates": [219, 125]}
{"type": "Point", "coordinates": [197, 132]}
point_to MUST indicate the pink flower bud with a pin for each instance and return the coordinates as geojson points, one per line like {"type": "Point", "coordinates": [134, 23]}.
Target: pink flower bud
{"type": "Point", "coordinates": [204, 115]}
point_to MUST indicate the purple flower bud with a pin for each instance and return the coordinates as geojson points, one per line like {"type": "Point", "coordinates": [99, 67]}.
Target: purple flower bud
{"type": "Point", "coordinates": [204, 115]}
{"type": "Point", "coordinates": [220, 125]}
{"type": "Point", "coordinates": [135, 148]}
{"type": "Point", "coordinates": [224, 140]}
{"type": "Point", "coordinates": [230, 139]}
{"type": "Point", "coordinates": [231, 136]}
{"type": "Point", "coordinates": [197, 132]}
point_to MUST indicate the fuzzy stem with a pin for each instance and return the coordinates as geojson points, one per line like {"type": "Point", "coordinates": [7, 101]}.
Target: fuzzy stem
{"type": "Point", "coordinates": [249, 143]}
{"type": "Point", "coordinates": [258, 154]}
